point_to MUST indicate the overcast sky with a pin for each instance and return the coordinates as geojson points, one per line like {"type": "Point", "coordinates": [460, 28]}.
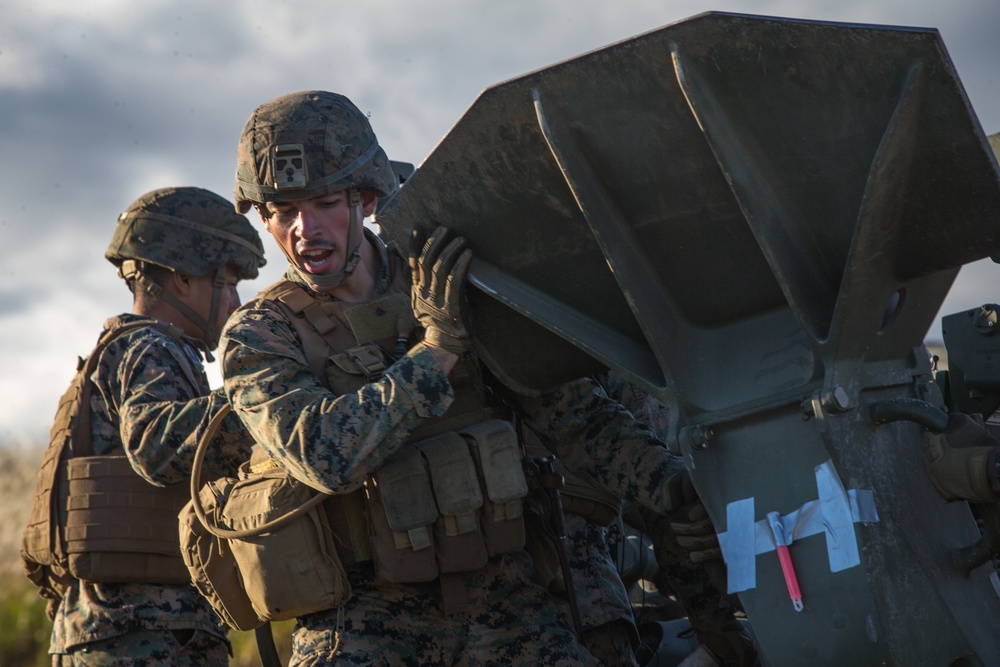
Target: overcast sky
{"type": "Point", "coordinates": [103, 100]}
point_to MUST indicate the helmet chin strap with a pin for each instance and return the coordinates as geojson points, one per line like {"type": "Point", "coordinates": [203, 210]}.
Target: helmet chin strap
{"type": "Point", "coordinates": [130, 270]}
{"type": "Point", "coordinates": [353, 258]}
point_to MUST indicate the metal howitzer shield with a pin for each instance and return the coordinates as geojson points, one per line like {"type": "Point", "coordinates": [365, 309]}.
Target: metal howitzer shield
{"type": "Point", "coordinates": [756, 219]}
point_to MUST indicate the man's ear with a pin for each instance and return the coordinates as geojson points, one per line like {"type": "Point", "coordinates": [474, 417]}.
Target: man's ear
{"type": "Point", "coordinates": [368, 202]}
{"type": "Point", "coordinates": [181, 283]}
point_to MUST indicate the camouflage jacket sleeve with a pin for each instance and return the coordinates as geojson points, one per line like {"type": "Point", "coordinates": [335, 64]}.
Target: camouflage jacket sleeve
{"type": "Point", "coordinates": [158, 396]}
{"type": "Point", "coordinates": [638, 401]}
{"type": "Point", "coordinates": [596, 437]}
{"type": "Point", "coordinates": [330, 442]}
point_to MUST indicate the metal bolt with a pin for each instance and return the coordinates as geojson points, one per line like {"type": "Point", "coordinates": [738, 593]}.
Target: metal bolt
{"type": "Point", "coordinates": [699, 436]}
{"type": "Point", "coordinates": [836, 400]}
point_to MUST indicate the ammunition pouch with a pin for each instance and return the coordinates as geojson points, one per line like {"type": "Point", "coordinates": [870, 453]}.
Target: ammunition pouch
{"type": "Point", "coordinates": [447, 503]}
{"type": "Point", "coordinates": [259, 547]}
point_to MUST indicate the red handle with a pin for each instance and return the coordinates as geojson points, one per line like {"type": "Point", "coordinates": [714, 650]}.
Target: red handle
{"type": "Point", "coordinates": [791, 580]}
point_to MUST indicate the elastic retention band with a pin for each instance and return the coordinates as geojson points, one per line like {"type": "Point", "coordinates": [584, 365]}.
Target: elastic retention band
{"type": "Point", "coordinates": [199, 508]}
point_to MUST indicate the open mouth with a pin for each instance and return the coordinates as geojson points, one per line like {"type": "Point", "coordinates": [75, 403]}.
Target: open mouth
{"type": "Point", "coordinates": [316, 260]}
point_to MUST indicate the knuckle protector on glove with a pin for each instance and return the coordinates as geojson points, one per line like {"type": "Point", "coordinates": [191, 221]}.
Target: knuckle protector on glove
{"type": "Point", "coordinates": [439, 274]}
{"type": "Point", "coordinates": [956, 461]}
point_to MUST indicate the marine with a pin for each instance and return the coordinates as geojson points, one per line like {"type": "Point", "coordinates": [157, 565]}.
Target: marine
{"type": "Point", "coordinates": [181, 251]}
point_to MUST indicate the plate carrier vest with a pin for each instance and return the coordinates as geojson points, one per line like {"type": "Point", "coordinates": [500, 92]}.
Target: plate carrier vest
{"type": "Point", "coordinates": [93, 518]}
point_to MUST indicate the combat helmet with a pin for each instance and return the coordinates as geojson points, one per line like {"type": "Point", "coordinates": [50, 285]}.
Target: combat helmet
{"type": "Point", "coordinates": [186, 230]}
{"type": "Point", "coordinates": [310, 144]}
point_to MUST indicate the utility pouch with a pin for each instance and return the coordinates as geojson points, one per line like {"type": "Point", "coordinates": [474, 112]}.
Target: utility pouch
{"type": "Point", "coordinates": [119, 527]}
{"type": "Point", "coordinates": [290, 570]}
{"type": "Point", "coordinates": [272, 529]}
{"type": "Point", "coordinates": [495, 448]}
{"type": "Point", "coordinates": [210, 561]}
{"type": "Point", "coordinates": [458, 539]}
{"type": "Point", "coordinates": [402, 510]}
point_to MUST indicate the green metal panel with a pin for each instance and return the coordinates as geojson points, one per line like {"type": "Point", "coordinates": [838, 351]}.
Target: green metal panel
{"type": "Point", "coordinates": [757, 219]}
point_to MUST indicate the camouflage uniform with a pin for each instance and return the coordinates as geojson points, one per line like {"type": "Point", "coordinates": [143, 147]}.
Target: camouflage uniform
{"type": "Point", "coordinates": [609, 447]}
{"type": "Point", "coordinates": [604, 638]}
{"type": "Point", "coordinates": [602, 441]}
{"type": "Point", "coordinates": [152, 399]}
{"type": "Point", "coordinates": [645, 408]}
{"type": "Point", "coordinates": [709, 610]}
{"type": "Point", "coordinates": [332, 443]}
{"type": "Point", "coordinates": [609, 631]}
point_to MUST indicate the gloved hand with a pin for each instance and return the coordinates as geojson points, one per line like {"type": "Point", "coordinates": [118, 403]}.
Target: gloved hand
{"type": "Point", "coordinates": [961, 461]}
{"type": "Point", "coordinates": [439, 265]}
{"type": "Point", "coordinates": [689, 521]}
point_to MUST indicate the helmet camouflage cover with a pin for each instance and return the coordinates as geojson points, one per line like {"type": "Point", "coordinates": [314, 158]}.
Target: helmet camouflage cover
{"type": "Point", "coordinates": [189, 230]}
{"type": "Point", "coordinates": [308, 144]}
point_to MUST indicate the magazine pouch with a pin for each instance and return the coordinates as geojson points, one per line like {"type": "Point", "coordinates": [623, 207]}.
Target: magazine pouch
{"type": "Point", "coordinates": [497, 453]}
{"type": "Point", "coordinates": [458, 539]}
{"type": "Point", "coordinates": [402, 512]}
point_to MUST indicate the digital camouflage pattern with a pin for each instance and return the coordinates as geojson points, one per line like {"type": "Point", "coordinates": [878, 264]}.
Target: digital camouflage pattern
{"type": "Point", "coordinates": [709, 611]}
{"type": "Point", "coordinates": [508, 622]}
{"type": "Point", "coordinates": [147, 648]}
{"type": "Point", "coordinates": [288, 409]}
{"type": "Point", "coordinates": [646, 409]}
{"type": "Point", "coordinates": [596, 437]}
{"type": "Point", "coordinates": [152, 400]}
{"type": "Point", "coordinates": [603, 602]}
{"type": "Point", "coordinates": [331, 442]}
{"type": "Point", "coordinates": [605, 609]}
{"type": "Point", "coordinates": [308, 144]}
{"type": "Point", "coordinates": [189, 230]}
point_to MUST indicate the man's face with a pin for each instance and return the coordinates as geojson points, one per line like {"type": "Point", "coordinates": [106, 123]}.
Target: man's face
{"type": "Point", "coordinates": [313, 232]}
{"type": "Point", "coordinates": [202, 291]}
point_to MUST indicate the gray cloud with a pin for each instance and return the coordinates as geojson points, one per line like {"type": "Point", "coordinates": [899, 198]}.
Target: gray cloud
{"type": "Point", "coordinates": [101, 101]}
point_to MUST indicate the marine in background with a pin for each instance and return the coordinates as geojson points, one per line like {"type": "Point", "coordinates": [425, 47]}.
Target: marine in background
{"type": "Point", "coordinates": [634, 466]}
{"type": "Point", "coordinates": [181, 251]}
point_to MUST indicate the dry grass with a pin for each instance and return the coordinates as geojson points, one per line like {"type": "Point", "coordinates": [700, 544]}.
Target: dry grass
{"type": "Point", "coordinates": [19, 463]}
{"type": "Point", "coordinates": [24, 629]}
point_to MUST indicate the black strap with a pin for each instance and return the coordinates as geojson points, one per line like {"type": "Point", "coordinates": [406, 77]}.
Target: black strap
{"type": "Point", "coordinates": [265, 646]}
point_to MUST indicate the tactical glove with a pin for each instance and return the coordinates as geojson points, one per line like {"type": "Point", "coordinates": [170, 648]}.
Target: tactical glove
{"type": "Point", "coordinates": [695, 533]}
{"type": "Point", "coordinates": [439, 266]}
{"type": "Point", "coordinates": [689, 521]}
{"type": "Point", "coordinates": [961, 461]}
